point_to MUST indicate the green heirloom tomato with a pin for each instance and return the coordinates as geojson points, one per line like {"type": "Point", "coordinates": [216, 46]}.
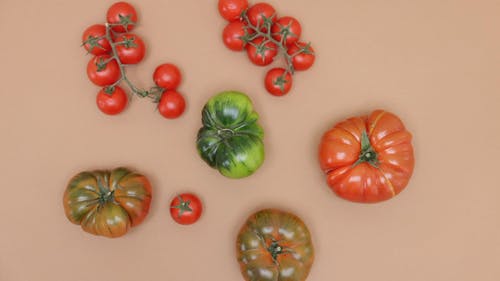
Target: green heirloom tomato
{"type": "Point", "coordinates": [230, 139]}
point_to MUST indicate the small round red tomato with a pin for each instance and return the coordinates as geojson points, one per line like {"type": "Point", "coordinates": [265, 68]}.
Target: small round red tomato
{"type": "Point", "coordinates": [262, 15]}
{"type": "Point", "coordinates": [231, 10]}
{"type": "Point", "coordinates": [122, 16]}
{"type": "Point", "coordinates": [233, 35]}
{"type": "Point", "coordinates": [112, 102]}
{"type": "Point", "coordinates": [130, 48]}
{"type": "Point", "coordinates": [261, 53]}
{"type": "Point", "coordinates": [288, 28]}
{"type": "Point", "coordinates": [94, 40]}
{"type": "Point", "coordinates": [186, 208]}
{"type": "Point", "coordinates": [102, 71]}
{"type": "Point", "coordinates": [303, 55]}
{"type": "Point", "coordinates": [278, 82]}
{"type": "Point", "coordinates": [167, 76]}
{"type": "Point", "coordinates": [171, 104]}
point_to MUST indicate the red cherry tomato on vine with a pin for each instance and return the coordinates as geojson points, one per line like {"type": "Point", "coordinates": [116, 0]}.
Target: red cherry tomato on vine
{"type": "Point", "coordinates": [287, 27]}
{"type": "Point", "coordinates": [112, 103]}
{"type": "Point", "coordinates": [122, 13]}
{"type": "Point", "coordinates": [277, 83]}
{"type": "Point", "coordinates": [171, 104]}
{"type": "Point", "coordinates": [231, 10]}
{"type": "Point", "coordinates": [167, 76]}
{"type": "Point", "coordinates": [91, 41]}
{"type": "Point", "coordinates": [261, 54]}
{"type": "Point", "coordinates": [102, 71]}
{"type": "Point", "coordinates": [233, 34]}
{"type": "Point", "coordinates": [186, 208]}
{"type": "Point", "coordinates": [304, 55]}
{"type": "Point", "coordinates": [259, 12]}
{"type": "Point", "coordinates": [130, 48]}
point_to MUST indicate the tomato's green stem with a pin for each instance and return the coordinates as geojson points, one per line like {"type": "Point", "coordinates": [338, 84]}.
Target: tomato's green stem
{"type": "Point", "coordinates": [368, 153]}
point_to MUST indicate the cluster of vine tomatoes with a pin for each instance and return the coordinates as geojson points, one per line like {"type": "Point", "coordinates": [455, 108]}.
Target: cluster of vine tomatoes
{"type": "Point", "coordinates": [114, 47]}
{"type": "Point", "coordinates": [258, 30]}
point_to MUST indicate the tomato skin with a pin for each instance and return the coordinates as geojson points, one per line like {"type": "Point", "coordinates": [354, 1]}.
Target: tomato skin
{"type": "Point", "coordinates": [186, 208]}
{"type": "Point", "coordinates": [302, 61]}
{"type": "Point", "coordinates": [113, 103]}
{"type": "Point", "coordinates": [167, 76]}
{"type": "Point", "coordinates": [96, 31]}
{"type": "Point", "coordinates": [232, 34]}
{"type": "Point", "coordinates": [288, 26]}
{"type": "Point", "coordinates": [231, 10]}
{"type": "Point", "coordinates": [122, 9]}
{"type": "Point", "coordinates": [267, 55]}
{"type": "Point", "coordinates": [107, 76]}
{"type": "Point", "coordinates": [275, 84]}
{"type": "Point", "coordinates": [171, 105]}
{"type": "Point", "coordinates": [131, 54]}
{"type": "Point", "coordinates": [257, 12]}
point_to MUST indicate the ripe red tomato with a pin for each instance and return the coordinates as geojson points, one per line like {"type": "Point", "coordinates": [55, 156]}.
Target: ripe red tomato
{"type": "Point", "coordinates": [171, 105]}
{"type": "Point", "coordinates": [303, 60]}
{"type": "Point", "coordinates": [94, 41]}
{"type": "Point", "coordinates": [124, 14]}
{"type": "Point", "coordinates": [286, 27]}
{"type": "Point", "coordinates": [112, 103]}
{"type": "Point", "coordinates": [261, 14]}
{"type": "Point", "coordinates": [277, 82]}
{"type": "Point", "coordinates": [233, 34]}
{"type": "Point", "coordinates": [231, 10]}
{"type": "Point", "coordinates": [130, 48]}
{"type": "Point", "coordinates": [167, 76]}
{"type": "Point", "coordinates": [102, 73]}
{"type": "Point", "coordinates": [186, 208]}
{"type": "Point", "coordinates": [261, 54]}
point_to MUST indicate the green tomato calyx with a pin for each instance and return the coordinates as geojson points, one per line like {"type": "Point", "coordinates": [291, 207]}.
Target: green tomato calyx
{"type": "Point", "coordinates": [275, 249]}
{"type": "Point", "coordinates": [367, 154]}
{"type": "Point", "coordinates": [183, 206]}
{"type": "Point", "coordinates": [225, 133]}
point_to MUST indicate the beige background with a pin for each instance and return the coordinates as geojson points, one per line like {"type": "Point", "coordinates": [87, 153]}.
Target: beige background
{"type": "Point", "coordinates": [434, 63]}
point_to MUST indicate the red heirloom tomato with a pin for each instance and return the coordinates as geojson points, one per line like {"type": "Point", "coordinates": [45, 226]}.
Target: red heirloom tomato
{"type": "Point", "coordinates": [233, 34]}
{"type": "Point", "coordinates": [277, 83]}
{"type": "Point", "coordinates": [367, 159]}
{"type": "Point", "coordinates": [112, 103]}
{"type": "Point", "coordinates": [130, 48]}
{"type": "Point", "coordinates": [261, 54]}
{"type": "Point", "coordinates": [303, 60]}
{"type": "Point", "coordinates": [167, 76]}
{"type": "Point", "coordinates": [103, 72]}
{"type": "Point", "coordinates": [171, 104]}
{"type": "Point", "coordinates": [259, 13]}
{"type": "Point", "coordinates": [231, 10]}
{"type": "Point", "coordinates": [287, 27]}
{"type": "Point", "coordinates": [186, 208]}
{"type": "Point", "coordinates": [93, 40]}
{"type": "Point", "coordinates": [122, 16]}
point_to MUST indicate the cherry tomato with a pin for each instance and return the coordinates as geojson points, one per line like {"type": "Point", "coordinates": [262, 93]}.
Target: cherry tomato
{"type": "Point", "coordinates": [303, 60]}
{"type": "Point", "coordinates": [167, 76]}
{"type": "Point", "coordinates": [130, 48]}
{"type": "Point", "coordinates": [124, 14]}
{"type": "Point", "coordinates": [233, 34]}
{"type": "Point", "coordinates": [103, 72]}
{"type": "Point", "coordinates": [277, 83]}
{"type": "Point", "coordinates": [171, 104]}
{"type": "Point", "coordinates": [287, 27]}
{"type": "Point", "coordinates": [94, 41]}
{"type": "Point", "coordinates": [261, 14]}
{"type": "Point", "coordinates": [186, 208]}
{"type": "Point", "coordinates": [112, 103]}
{"type": "Point", "coordinates": [261, 54]}
{"type": "Point", "coordinates": [231, 10]}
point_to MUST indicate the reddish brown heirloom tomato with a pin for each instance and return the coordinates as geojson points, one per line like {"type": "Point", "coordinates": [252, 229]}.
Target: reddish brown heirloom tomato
{"type": "Point", "coordinates": [367, 159]}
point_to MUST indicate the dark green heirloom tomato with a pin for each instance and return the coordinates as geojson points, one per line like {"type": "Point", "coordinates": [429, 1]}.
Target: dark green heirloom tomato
{"type": "Point", "coordinates": [230, 139]}
{"type": "Point", "coordinates": [274, 245]}
{"type": "Point", "coordinates": [107, 203]}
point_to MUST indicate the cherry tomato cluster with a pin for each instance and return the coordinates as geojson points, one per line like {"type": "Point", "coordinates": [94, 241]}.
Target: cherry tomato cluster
{"type": "Point", "coordinates": [114, 47]}
{"type": "Point", "coordinates": [258, 30]}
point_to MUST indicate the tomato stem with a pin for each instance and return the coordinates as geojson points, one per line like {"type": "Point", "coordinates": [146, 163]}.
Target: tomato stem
{"type": "Point", "coordinates": [368, 153]}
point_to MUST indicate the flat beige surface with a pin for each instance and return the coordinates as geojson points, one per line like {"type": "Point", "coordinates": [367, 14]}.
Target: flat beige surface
{"type": "Point", "coordinates": [434, 63]}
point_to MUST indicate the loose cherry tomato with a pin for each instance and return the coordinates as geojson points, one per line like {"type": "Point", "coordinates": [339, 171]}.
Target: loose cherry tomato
{"type": "Point", "coordinates": [167, 76]}
{"type": "Point", "coordinates": [277, 83]}
{"type": "Point", "coordinates": [262, 15]}
{"type": "Point", "coordinates": [102, 71]}
{"type": "Point", "coordinates": [261, 54]}
{"type": "Point", "coordinates": [231, 10]}
{"type": "Point", "coordinates": [171, 105]}
{"type": "Point", "coordinates": [122, 16]}
{"type": "Point", "coordinates": [94, 40]}
{"type": "Point", "coordinates": [233, 35]}
{"type": "Point", "coordinates": [130, 48]}
{"type": "Point", "coordinates": [304, 55]}
{"type": "Point", "coordinates": [112, 103]}
{"type": "Point", "coordinates": [186, 208]}
{"type": "Point", "coordinates": [286, 27]}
